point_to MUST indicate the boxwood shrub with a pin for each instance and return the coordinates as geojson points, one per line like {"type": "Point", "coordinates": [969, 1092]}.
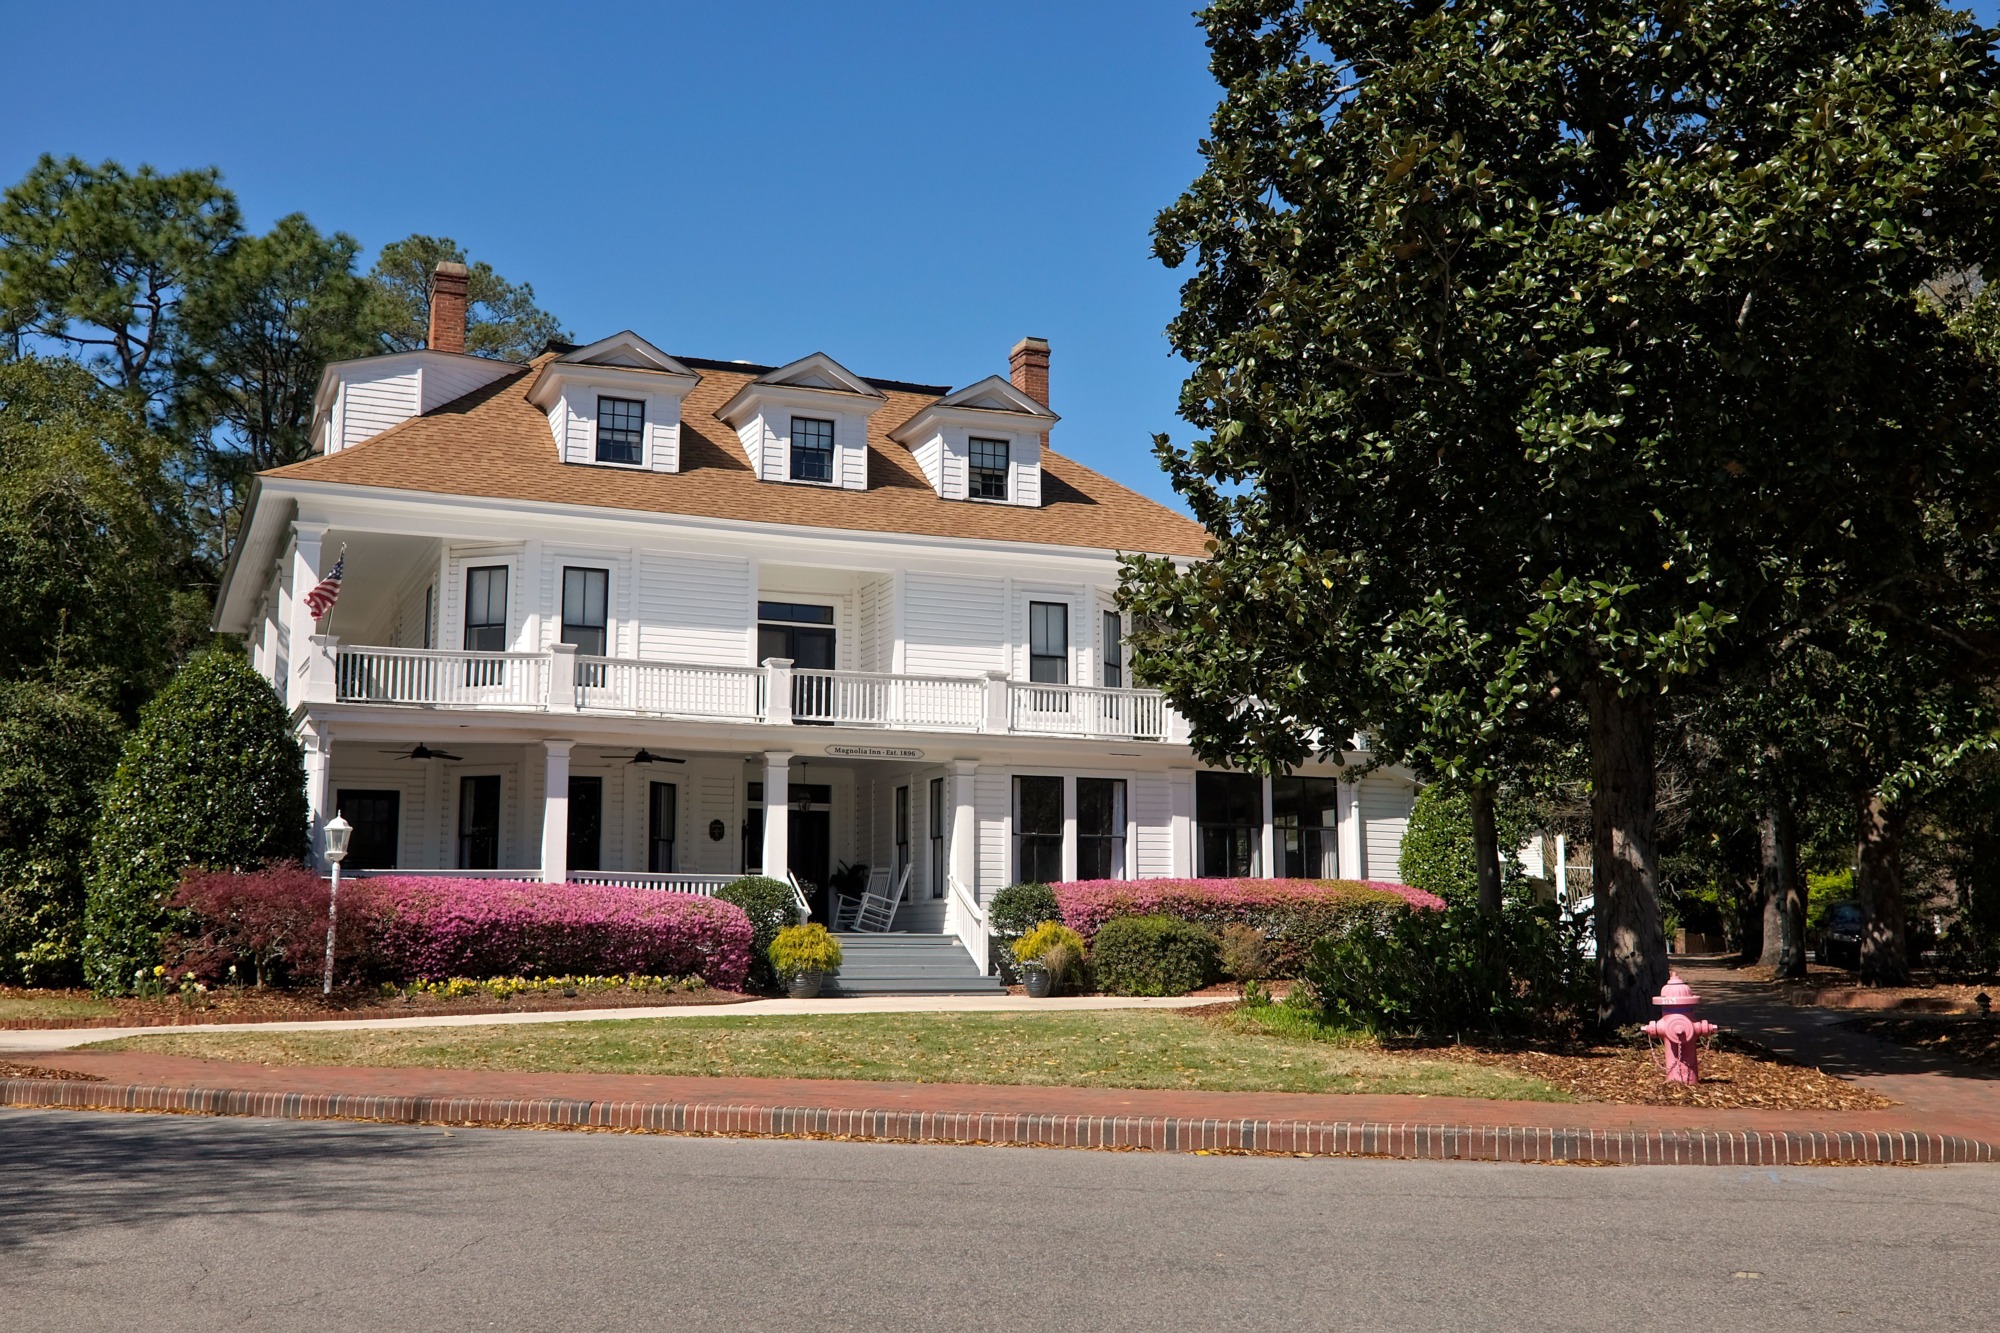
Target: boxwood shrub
{"type": "Point", "coordinates": [1152, 955]}
{"type": "Point", "coordinates": [771, 907]}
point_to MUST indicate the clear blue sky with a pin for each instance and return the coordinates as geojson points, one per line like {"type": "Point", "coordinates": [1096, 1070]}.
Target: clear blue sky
{"type": "Point", "coordinates": [909, 187]}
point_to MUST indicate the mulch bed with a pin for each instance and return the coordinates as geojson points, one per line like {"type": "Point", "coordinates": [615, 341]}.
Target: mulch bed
{"type": "Point", "coordinates": [1974, 1041]}
{"type": "Point", "coordinates": [1735, 1073]}
{"type": "Point", "coordinates": [280, 1006]}
{"type": "Point", "coordinates": [8, 1069]}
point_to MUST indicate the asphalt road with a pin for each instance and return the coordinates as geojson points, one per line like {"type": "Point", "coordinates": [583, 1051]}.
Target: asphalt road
{"type": "Point", "coordinates": [168, 1222]}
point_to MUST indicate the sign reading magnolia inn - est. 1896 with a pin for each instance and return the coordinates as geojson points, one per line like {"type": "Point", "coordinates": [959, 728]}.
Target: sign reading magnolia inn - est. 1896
{"type": "Point", "coordinates": [872, 752]}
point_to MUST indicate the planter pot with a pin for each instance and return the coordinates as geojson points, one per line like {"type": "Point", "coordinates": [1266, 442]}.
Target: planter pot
{"type": "Point", "coordinates": [805, 985]}
{"type": "Point", "coordinates": [1037, 979]}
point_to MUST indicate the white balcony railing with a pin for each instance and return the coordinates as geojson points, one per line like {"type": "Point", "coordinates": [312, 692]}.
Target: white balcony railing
{"type": "Point", "coordinates": [1084, 710]}
{"type": "Point", "coordinates": [667, 689]}
{"type": "Point", "coordinates": [441, 679]}
{"type": "Point", "coordinates": [869, 699]}
{"type": "Point", "coordinates": [775, 693]}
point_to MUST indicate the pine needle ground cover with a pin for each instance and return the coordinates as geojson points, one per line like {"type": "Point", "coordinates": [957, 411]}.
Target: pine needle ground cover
{"type": "Point", "coordinates": [1088, 1050]}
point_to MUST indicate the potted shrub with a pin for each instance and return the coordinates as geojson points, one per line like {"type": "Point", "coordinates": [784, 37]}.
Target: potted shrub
{"type": "Point", "coordinates": [802, 956]}
{"type": "Point", "coordinates": [1047, 954]}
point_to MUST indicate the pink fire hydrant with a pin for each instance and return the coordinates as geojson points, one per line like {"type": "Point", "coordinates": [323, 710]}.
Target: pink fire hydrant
{"type": "Point", "coordinates": [1678, 1031]}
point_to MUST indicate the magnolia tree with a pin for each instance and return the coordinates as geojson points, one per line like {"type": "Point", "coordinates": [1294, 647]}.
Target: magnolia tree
{"type": "Point", "coordinates": [1539, 351]}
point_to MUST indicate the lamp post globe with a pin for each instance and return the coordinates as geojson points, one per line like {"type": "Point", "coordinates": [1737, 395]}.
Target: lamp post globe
{"type": "Point", "coordinates": [337, 832]}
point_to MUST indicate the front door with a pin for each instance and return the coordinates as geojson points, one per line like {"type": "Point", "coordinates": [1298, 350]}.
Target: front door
{"type": "Point", "coordinates": [812, 857]}
{"type": "Point", "coordinates": [802, 634]}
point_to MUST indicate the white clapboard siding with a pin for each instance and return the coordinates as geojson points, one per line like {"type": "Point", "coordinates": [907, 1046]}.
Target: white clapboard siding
{"type": "Point", "coordinates": [359, 768]}
{"type": "Point", "coordinates": [693, 608]}
{"type": "Point", "coordinates": [875, 624]}
{"type": "Point", "coordinates": [992, 801]}
{"type": "Point", "coordinates": [1385, 817]}
{"type": "Point", "coordinates": [446, 380]}
{"type": "Point", "coordinates": [930, 457]}
{"type": "Point", "coordinates": [850, 453]}
{"type": "Point", "coordinates": [713, 792]}
{"type": "Point", "coordinates": [954, 625]}
{"type": "Point", "coordinates": [1152, 815]}
{"type": "Point", "coordinates": [1025, 458]}
{"type": "Point", "coordinates": [369, 406]}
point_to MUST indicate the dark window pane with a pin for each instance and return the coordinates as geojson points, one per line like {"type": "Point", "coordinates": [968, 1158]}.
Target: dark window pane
{"type": "Point", "coordinates": [812, 449]}
{"type": "Point", "coordinates": [1038, 821]}
{"type": "Point", "coordinates": [1229, 814]}
{"type": "Point", "coordinates": [1100, 828]}
{"type": "Point", "coordinates": [486, 609]}
{"type": "Point", "coordinates": [1114, 651]}
{"type": "Point", "coordinates": [585, 594]}
{"type": "Point", "coordinates": [799, 612]}
{"type": "Point", "coordinates": [376, 817]}
{"type": "Point", "coordinates": [586, 823]}
{"type": "Point", "coordinates": [988, 471]}
{"type": "Point", "coordinates": [621, 430]}
{"type": "Point", "coordinates": [663, 820]}
{"type": "Point", "coordinates": [1305, 814]}
{"type": "Point", "coordinates": [1048, 642]}
{"type": "Point", "coordinates": [902, 830]}
{"type": "Point", "coordinates": [937, 827]}
{"type": "Point", "coordinates": [479, 823]}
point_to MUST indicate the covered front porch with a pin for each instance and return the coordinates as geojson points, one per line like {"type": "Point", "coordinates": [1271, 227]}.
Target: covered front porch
{"type": "Point", "coordinates": [655, 810]}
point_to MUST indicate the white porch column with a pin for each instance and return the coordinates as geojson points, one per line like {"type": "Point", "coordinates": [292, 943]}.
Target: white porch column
{"type": "Point", "coordinates": [1069, 827]}
{"type": "Point", "coordinates": [555, 812]}
{"type": "Point", "coordinates": [1180, 796]}
{"type": "Point", "coordinates": [1267, 846]}
{"type": "Point", "coordinates": [1350, 831]}
{"type": "Point", "coordinates": [306, 540]}
{"type": "Point", "coordinates": [318, 739]}
{"type": "Point", "coordinates": [964, 828]}
{"type": "Point", "coordinates": [777, 810]}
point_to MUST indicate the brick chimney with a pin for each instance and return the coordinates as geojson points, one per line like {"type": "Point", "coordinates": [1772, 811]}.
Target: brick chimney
{"type": "Point", "coordinates": [447, 333]}
{"type": "Point", "coordinates": [1029, 367]}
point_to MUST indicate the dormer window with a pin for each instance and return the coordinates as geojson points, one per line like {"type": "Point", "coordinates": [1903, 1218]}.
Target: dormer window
{"type": "Point", "coordinates": [621, 431]}
{"type": "Point", "coordinates": [812, 449]}
{"type": "Point", "coordinates": [987, 478]}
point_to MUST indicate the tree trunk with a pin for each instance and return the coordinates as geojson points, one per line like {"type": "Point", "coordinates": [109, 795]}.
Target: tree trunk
{"type": "Point", "coordinates": [1791, 896]}
{"type": "Point", "coordinates": [1768, 892]}
{"type": "Point", "coordinates": [1486, 849]}
{"type": "Point", "coordinates": [1624, 865]}
{"type": "Point", "coordinates": [1878, 883]}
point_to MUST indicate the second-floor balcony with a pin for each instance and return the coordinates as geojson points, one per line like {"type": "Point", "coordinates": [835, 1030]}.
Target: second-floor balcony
{"type": "Point", "coordinates": [776, 693]}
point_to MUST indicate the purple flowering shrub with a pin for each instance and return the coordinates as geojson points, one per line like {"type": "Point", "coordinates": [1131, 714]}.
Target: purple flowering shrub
{"type": "Point", "coordinates": [1291, 913]}
{"type": "Point", "coordinates": [416, 928]}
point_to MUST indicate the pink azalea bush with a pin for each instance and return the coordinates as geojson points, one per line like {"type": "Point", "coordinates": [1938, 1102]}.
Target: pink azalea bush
{"type": "Point", "coordinates": [418, 928]}
{"type": "Point", "coordinates": [1291, 913]}
{"type": "Point", "coordinates": [431, 929]}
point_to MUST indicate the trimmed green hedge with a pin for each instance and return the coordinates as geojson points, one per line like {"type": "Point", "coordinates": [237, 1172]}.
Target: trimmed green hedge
{"type": "Point", "coordinates": [212, 776]}
{"type": "Point", "coordinates": [771, 907]}
{"type": "Point", "coordinates": [1152, 955]}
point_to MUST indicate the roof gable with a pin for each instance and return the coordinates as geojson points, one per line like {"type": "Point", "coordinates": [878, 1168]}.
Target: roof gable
{"type": "Point", "coordinates": [627, 350]}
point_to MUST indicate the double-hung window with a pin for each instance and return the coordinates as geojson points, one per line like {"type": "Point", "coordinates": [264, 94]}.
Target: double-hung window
{"type": "Point", "coordinates": [902, 831]}
{"type": "Point", "coordinates": [1048, 643]}
{"type": "Point", "coordinates": [1100, 828]}
{"type": "Point", "coordinates": [812, 449]}
{"type": "Point", "coordinates": [585, 592]}
{"type": "Point", "coordinates": [1038, 829]}
{"type": "Point", "coordinates": [621, 430]}
{"type": "Point", "coordinates": [1229, 825]}
{"type": "Point", "coordinates": [937, 866]}
{"type": "Point", "coordinates": [486, 622]}
{"type": "Point", "coordinates": [988, 469]}
{"type": "Point", "coordinates": [1114, 651]}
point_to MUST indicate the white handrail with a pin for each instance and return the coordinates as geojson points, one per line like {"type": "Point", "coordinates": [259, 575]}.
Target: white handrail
{"type": "Point", "coordinates": [971, 919]}
{"type": "Point", "coordinates": [799, 897]}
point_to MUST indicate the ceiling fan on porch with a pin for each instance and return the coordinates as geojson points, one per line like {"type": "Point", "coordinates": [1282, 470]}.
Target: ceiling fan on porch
{"type": "Point", "coordinates": [422, 751]}
{"type": "Point", "coordinates": [645, 756]}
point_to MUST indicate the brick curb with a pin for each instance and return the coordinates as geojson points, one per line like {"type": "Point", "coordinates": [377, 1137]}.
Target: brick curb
{"type": "Point", "coordinates": [1472, 1143]}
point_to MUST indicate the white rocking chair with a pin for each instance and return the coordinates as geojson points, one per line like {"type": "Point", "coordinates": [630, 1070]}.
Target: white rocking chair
{"type": "Point", "coordinates": [876, 912]}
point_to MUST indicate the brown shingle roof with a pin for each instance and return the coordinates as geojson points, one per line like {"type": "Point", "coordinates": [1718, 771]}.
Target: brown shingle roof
{"type": "Point", "coordinates": [495, 443]}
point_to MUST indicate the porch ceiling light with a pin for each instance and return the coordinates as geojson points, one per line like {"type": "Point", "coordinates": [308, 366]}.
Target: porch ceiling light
{"type": "Point", "coordinates": [337, 830]}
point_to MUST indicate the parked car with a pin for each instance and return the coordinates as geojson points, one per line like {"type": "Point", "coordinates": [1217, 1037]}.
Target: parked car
{"type": "Point", "coordinates": [1840, 934]}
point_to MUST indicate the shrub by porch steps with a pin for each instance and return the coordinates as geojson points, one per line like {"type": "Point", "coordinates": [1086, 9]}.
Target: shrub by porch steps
{"type": "Point", "coordinates": [907, 965]}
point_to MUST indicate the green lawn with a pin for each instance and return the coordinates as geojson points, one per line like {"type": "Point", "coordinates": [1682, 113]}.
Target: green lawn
{"type": "Point", "coordinates": [27, 1004]}
{"type": "Point", "coordinates": [1109, 1049]}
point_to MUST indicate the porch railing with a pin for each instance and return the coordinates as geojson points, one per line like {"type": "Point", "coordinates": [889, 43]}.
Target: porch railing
{"type": "Point", "coordinates": [1084, 710]}
{"type": "Point", "coordinates": [869, 699]}
{"type": "Point", "coordinates": [441, 679]}
{"type": "Point", "coordinates": [667, 689]}
{"type": "Point", "coordinates": [774, 694]}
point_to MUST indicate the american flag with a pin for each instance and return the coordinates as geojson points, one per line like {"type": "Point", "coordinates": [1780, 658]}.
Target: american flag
{"type": "Point", "coordinates": [327, 591]}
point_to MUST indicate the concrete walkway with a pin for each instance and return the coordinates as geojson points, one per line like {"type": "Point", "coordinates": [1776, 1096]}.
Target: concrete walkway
{"type": "Point", "coordinates": [40, 1040]}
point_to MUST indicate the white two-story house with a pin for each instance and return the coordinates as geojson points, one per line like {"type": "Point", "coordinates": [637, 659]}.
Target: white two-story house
{"type": "Point", "coordinates": [620, 615]}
